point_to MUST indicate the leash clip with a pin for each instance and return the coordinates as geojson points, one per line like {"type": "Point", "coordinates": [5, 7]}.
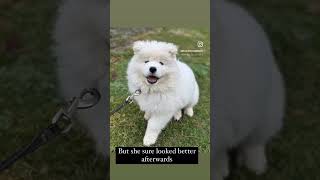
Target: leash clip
{"type": "Point", "coordinates": [87, 99]}
{"type": "Point", "coordinates": [131, 97]}
{"type": "Point", "coordinates": [63, 117]}
{"type": "Point", "coordinates": [128, 100]}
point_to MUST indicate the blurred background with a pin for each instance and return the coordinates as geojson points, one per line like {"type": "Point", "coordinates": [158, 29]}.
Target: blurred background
{"type": "Point", "coordinates": [293, 26]}
{"type": "Point", "coordinates": [29, 98]}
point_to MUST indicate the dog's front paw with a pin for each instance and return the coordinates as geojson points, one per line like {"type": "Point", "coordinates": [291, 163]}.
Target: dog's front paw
{"type": "Point", "coordinates": [147, 116]}
{"type": "Point", "coordinates": [177, 116]}
{"type": "Point", "coordinates": [149, 139]}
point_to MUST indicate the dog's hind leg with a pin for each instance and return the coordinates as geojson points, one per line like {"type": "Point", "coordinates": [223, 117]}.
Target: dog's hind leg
{"type": "Point", "coordinates": [195, 98]}
{"type": "Point", "coordinates": [177, 116]}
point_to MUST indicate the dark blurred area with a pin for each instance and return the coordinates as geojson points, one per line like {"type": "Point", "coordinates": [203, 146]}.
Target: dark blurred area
{"type": "Point", "coordinates": [293, 29]}
{"type": "Point", "coordinates": [29, 97]}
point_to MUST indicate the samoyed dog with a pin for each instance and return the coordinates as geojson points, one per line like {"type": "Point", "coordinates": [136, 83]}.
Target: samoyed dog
{"type": "Point", "coordinates": [168, 86]}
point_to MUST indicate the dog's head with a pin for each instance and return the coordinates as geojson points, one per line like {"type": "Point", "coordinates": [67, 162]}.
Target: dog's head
{"type": "Point", "coordinates": [154, 63]}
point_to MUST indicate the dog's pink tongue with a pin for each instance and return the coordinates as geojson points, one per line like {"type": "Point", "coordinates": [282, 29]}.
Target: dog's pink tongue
{"type": "Point", "coordinates": [152, 79]}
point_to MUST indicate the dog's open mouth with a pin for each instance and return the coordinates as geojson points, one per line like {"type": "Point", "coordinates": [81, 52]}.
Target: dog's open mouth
{"type": "Point", "coordinates": [152, 79]}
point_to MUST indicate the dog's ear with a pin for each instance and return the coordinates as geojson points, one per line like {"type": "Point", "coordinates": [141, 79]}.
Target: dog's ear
{"type": "Point", "coordinates": [173, 49]}
{"type": "Point", "coordinates": [137, 46]}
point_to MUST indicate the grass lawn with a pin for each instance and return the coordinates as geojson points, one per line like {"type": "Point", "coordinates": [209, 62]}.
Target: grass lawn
{"type": "Point", "coordinates": [128, 126]}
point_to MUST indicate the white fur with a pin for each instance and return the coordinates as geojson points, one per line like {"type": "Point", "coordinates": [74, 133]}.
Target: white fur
{"type": "Point", "coordinates": [176, 89]}
{"type": "Point", "coordinates": [248, 98]}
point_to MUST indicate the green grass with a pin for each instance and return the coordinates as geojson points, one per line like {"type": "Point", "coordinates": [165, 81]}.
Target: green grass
{"type": "Point", "coordinates": [128, 126]}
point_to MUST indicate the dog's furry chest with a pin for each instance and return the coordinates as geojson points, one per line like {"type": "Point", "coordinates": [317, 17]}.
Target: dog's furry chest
{"type": "Point", "coordinates": [158, 102]}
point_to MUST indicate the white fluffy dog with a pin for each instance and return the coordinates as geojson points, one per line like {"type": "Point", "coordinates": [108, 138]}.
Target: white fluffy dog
{"type": "Point", "coordinates": [167, 85]}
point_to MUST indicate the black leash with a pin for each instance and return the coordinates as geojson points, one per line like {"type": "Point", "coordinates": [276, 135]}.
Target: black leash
{"type": "Point", "coordinates": [128, 100]}
{"type": "Point", "coordinates": [61, 123]}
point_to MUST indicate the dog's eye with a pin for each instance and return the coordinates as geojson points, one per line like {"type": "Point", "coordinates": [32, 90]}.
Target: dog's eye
{"type": "Point", "coordinates": [146, 61]}
{"type": "Point", "coordinates": [161, 63]}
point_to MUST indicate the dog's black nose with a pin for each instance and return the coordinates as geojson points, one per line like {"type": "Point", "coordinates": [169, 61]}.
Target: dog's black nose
{"type": "Point", "coordinates": [152, 69]}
